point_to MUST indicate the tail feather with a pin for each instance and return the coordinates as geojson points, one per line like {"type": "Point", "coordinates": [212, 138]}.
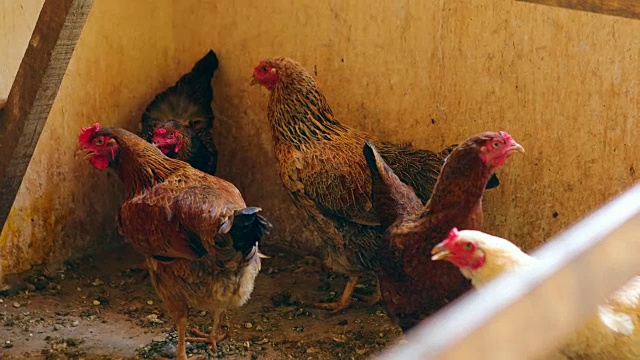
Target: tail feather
{"type": "Point", "coordinates": [391, 197]}
{"type": "Point", "coordinates": [493, 182]}
{"type": "Point", "coordinates": [207, 65]}
{"type": "Point", "coordinates": [187, 100]}
{"type": "Point", "coordinates": [197, 83]}
{"type": "Point", "coordinates": [248, 229]}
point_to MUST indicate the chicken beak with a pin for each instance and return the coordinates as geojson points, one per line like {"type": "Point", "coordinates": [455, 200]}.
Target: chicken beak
{"type": "Point", "coordinates": [516, 147]}
{"type": "Point", "coordinates": [82, 153]}
{"type": "Point", "coordinates": [439, 252]}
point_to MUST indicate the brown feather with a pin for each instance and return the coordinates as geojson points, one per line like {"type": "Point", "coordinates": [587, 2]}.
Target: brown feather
{"type": "Point", "coordinates": [321, 165]}
{"type": "Point", "coordinates": [186, 107]}
{"type": "Point", "coordinates": [392, 198]}
{"type": "Point", "coordinates": [412, 286]}
{"type": "Point", "coordinates": [172, 215]}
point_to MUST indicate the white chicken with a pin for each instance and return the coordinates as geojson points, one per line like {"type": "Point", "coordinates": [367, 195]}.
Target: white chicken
{"type": "Point", "coordinates": [612, 333]}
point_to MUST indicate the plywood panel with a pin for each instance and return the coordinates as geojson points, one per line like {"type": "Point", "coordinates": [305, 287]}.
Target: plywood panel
{"type": "Point", "coordinates": [17, 21]}
{"type": "Point", "coordinates": [565, 84]}
{"type": "Point", "coordinates": [34, 90]}
{"type": "Point", "coordinates": [624, 8]}
{"type": "Point", "coordinates": [63, 206]}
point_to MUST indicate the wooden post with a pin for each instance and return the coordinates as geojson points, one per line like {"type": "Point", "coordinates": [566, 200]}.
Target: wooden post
{"type": "Point", "coordinates": [623, 8]}
{"type": "Point", "coordinates": [35, 88]}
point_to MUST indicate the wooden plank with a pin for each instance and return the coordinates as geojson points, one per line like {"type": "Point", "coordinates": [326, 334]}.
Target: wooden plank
{"type": "Point", "coordinates": [3, 101]}
{"type": "Point", "coordinates": [521, 316]}
{"type": "Point", "coordinates": [32, 94]}
{"type": "Point", "coordinates": [623, 8]}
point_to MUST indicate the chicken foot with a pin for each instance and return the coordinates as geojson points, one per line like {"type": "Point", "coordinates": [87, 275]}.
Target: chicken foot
{"type": "Point", "coordinates": [345, 299]}
{"type": "Point", "coordinates": [215, 336]}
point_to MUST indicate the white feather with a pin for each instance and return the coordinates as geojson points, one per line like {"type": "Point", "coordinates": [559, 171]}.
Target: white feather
{"type": "Point", "coordinates": [612, 333]}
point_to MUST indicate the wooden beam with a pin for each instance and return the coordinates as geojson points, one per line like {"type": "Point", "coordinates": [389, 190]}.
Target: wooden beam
{"type": "Point", "coordinates": [524, 315]}
{"type": "Point", "coordinates": [35, 88]}
{"type": "Point", "coordinates": [623, 8]}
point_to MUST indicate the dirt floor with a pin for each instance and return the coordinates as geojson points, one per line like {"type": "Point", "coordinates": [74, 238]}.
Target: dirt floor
{"type": "Point", "coordinates": [96, 308]}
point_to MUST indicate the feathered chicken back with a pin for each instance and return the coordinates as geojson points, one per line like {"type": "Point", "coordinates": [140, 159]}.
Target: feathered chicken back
{"type": "Point", "coordinates": [322, 167]}
{"type": "Point", "coordinates": [200, 239]}
{"type": "Point", "coordinates": [180, 119]}
{"type": "Point", "coordinates": [412, 286]}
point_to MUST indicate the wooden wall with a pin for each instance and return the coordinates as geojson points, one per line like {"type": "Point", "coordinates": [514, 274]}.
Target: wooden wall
{"type": "Point", "coordinates": [17, 20]}
{"type": "Point", "coordinates": [564, 83]}
{"type": "Point", "coordinates": [64, 206]}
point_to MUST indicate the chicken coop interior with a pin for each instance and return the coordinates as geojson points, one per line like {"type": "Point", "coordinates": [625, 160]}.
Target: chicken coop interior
{"type": "Point", "coordinates": [561, 77]}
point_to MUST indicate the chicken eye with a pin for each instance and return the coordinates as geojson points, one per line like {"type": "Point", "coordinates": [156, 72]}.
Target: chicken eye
{"type": "Point", "coordinates": [99, 141]}
{"type": "Point", "coordinates": [495, 144]}
{"type": "Point", "coordinates": [264, 69]}
{"type": "Point", "coordinates": [467, 247]}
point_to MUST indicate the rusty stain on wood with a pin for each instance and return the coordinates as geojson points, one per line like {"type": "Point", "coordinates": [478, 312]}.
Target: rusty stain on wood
{"type": "Point", "coordinates": [623, 8]}
{"type": "Point", "coordinates": [34, 89]}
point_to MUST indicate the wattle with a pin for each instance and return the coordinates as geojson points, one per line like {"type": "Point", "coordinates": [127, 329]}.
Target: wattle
{"type": "Point", "coordinates": [99, 162]}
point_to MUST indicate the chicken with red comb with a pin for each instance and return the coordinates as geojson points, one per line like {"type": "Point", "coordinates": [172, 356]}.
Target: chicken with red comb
{"type": "Point", "coordinates": [199, 238]}
{"type": "Point", "coordinates": [321, 166]}
{"type": "Point", "coordinates": [414, 287]}
{"type": "Point", "coordinates": [179, 121]}
{"type": "Point", "coordinates": [613, 332]}
{"type": "Point", "coordinates": [86, 132]}
{"type": "Point", "coordinates": [99, 159]}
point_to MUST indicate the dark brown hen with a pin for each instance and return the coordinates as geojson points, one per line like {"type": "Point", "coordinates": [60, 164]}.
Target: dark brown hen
{"type": "Point", "coordinates": [412, 286]}
{"type": "Point", "coordinates": [180, 119]}
{"type": "Point", "coordinates": [321, 166]}
{"type": "Point", "coordinates": [199, 238]}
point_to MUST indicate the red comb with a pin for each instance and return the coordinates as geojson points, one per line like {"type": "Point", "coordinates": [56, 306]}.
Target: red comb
{"type": "Point", "coordinates": [85, 133]}
{"type": "Point", "coordinates": [160, 131]}
{"type": "Point", "coordinates": [453, 234]}
{"type": "Point", "coordinates": [506, 136]}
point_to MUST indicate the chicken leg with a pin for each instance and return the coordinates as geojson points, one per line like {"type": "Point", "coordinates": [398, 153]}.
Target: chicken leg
{"type": "Point", "coordinates": [181, 352]}
{"type": "Point", "coordinates": [345, 299]}
{"type": "Point", "coordinates": [372, 299]}
{"type": "Point", "coordinates": [216, 333]}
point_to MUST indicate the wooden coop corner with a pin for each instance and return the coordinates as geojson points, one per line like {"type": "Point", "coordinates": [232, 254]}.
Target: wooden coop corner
{"type": "Point", "coordinates": [36, 85]}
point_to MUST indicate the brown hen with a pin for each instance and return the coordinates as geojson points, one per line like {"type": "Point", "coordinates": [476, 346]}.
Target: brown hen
{"type": "Point", "coordinates": [413, 287]}
{"type": "Point", "coordinates": [199, 238]}
{"type": "Point", "coordinates": [180, 119]}
{"type": "Point", "coordinates": [321, 166]}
